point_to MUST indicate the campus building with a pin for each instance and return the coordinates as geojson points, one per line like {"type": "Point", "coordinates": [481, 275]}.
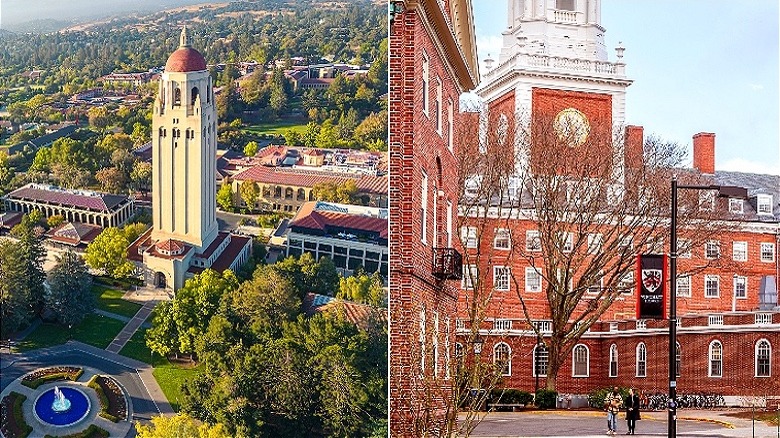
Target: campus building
{"type": "Point", "coordinates": [184, 238]}
{"type": "Point", "coordinates": [432, 62]}
{"type": "Point", "coordinates": [554, 69]}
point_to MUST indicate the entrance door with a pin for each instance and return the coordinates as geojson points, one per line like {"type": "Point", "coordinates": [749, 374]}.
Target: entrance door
{"type": "Point", "coordinates": [160, 281]}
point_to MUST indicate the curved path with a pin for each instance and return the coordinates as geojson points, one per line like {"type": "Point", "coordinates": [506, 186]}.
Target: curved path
{"type": "Point", "coordinates": [145, 395]}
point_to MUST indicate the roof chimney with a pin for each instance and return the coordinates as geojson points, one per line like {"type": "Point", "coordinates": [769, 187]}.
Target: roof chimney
{"type": "Point", "coordinates": [704, 152]}
{"type": "Point", "coordinates": [634, 146]}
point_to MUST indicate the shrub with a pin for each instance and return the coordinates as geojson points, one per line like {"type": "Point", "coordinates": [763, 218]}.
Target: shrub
{"type": "Point", "coordinates": [13, 424]}
{"type": "Point", "coordinates": [597, 396]}
{"type": "Point", "coordinates": [37, 379]}
{"type": "Point", "coordinates": [545, 398]}
{"type": "Point", "coordinates": [92, 431]}
{"type": "Point", "coordinates": [510, 396]}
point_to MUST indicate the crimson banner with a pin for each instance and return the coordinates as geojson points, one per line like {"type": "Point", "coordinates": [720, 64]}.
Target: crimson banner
{"type": "Point", "coordinates": [651, 286]}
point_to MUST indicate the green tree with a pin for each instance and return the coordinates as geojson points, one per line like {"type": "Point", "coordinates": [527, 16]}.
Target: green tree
{"type": "Point", "coordinates": [133, 231]}
{"type": "Point", "coordinates": [291, 137]}
{"type": "Point", "coordinates": [6, 172]}
{"type": "Point", "coordinates": [111, 179]}
{"type": "Point", "coordinates": [42, 160]}
{"type": "Point", "coordinates": [327, 137]}
{"type": "Point", "coordinates": [33, 254]}
{"type": "Point", "coordinates": [180, 425]}
{"type": "Point", "coordinates": [141, 133]}
{"type": "Point", "coordinates": [345, 193]}
{"type": "Point", "coordinates": [141, 175]}
{"type": "Point", "coordinates": [309, 137]}
{"type": "Point", "coordinates": [69, 296]}
{"type": "Point", "coordinates": [249, 192]}
{"type": "Point", "coordinates": [225, 197]}
{"type": "Point", "coordinates": [16, 300]}
{"type": "Point", "coordinates": [107, 254]}
{"type": "Point", "coordinates": [372, 128]}
{"type": "Point", "coordinates": [250, 150]}
{"type": "Point", "coordinates": [99, 117]}
{"type": "Point", "coordinates": [53, 221]}
{"type": "Point", "coordinates": [363, 288]}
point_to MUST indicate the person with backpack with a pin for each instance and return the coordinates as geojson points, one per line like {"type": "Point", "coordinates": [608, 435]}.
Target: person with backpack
{"type": "Point", "coordinates": [612, 404]}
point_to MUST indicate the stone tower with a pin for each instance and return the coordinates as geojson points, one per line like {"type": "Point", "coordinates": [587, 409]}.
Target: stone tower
{"type": "Point", "coordinates": [184, 131]}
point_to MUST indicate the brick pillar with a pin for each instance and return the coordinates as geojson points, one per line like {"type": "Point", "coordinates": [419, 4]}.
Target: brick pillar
{"type": "Point", "coordinates": [634, 146]}
{"type": "Point", "coordinates": [704, 152]}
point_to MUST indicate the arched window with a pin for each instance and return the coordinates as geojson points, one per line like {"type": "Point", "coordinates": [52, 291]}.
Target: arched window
{"type": "Point", "coordinates": [277, 192]}
{"type": "Point", "coordinates": [502, 358]}
{"type": "Point", "coordinates": [193, 95]}
{"type": "Point", "coordinates": [541, 360]}
{"type": "Point", "coordinates": [301, 195]}
{"type": "Point", "coordinates": [763, 358]}
{"type": "Point", "coordinates": [641, 360]}
{"type": "Point", "coordinates": [716, 359]}
{"type": "Point", "coordinates": [580, 361]}
{"type": "Point", "coordinates": [288, 193]}
{"type": "Point", "coordinates": [678, 360]}
{"type": "Point", "coordinates": [613, 361]}
{"type": "Point", "coordinates": [177, 97]}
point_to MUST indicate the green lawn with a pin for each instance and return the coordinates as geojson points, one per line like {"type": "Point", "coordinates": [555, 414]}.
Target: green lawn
{"type": "Point", "coordinates": [169, 376]}
{"type": "Point", "coordinates": [111, 300]}
{"type": "Point", "coordinates": [95, 330]}
{"type": "Point", "coordinates": [276, 128]}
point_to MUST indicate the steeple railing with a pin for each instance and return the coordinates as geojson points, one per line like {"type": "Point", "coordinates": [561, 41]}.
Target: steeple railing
{"type": "Point", "coordinates": [560, 63]}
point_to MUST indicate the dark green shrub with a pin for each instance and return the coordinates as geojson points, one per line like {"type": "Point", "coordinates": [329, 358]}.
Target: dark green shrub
{"type": "Point", "coordinates": [510, 396]}
{"type": "Point", "coordinates": [545, 398]}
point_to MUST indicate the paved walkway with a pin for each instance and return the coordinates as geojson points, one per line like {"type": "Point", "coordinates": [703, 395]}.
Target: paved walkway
{"type": "Point", "coordinates": [576, 423]}
{"type": "Point", "coordinates": [131, 327]}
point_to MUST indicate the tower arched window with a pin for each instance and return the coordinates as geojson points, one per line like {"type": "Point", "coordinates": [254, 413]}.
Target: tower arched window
{"type": "Point", "coordinates": [177, 97]}
{"type": "Point", "coordinates": [193, 95]}
{"type": "Point", "coordinates": [613, 361]}
{"type": "Point", "coordinates": [541, 360]}
{"type": "Point", "coordinates": [580, 361]}
{"type": "Point", "coordinates": [288, 193]}
{"type": "Point", "coordinates": [502, 358]}
{"type": "Point", "coordinates": [763, 358]}
{"type": "Point", "coordinates": [641, 360]}
{"type": "Point", "coordinates": [301, 195]}
{"type": "Point", "coordinates": [716, 359]}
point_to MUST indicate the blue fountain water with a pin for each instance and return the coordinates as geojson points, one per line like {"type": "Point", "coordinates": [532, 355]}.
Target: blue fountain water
{"type": "Point", "coordinates": [52, 409]}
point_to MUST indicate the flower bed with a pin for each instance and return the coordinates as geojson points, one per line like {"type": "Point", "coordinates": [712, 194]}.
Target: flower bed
{"type": "Point", "coordinates": [91, 432]}
{"type": "Point", "coordinates": [112, 399]}
{"type": "Point", "coordinates": [12, 422]}
{"type": "Point", "coordinates": [38, 378]}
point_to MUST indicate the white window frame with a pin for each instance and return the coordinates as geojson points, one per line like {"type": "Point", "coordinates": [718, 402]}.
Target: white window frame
{"type": "Point", "coordinates": [543, 325]}
{"type": "Point", "coordinates": [767, 251]}
{"type": "Point", "coordinates": [712, 250]}
{"type": "Point", "coordinates": [568, 242]}
{"type": "Point", "coordinates": [595, 243]}
{"type": "Point", "coordinates": [736, 206]}
{"type": "Point", "coordinates": [460, 324]}
{"type": "Point", "coordinates": [762, 318]}
{"type": "Point", "coordinates": [502, 278]}
{"type": "Point", "coordinates": [502, 239]}
{"type": "Point", "coordinates": [641, 324]}
{"type": "Point", "coordinates": [596, 289]}
{"type": "Point", "coordinates": [714, 320]}
{"type": "Point", "coordinates": [450, 123]}
{"type": "Point", "coordinates": [439, 108]}
{"type": "Point", "coordinates": [424, 207]}
{"type": "Point", "coordinates": [626, 284]}
{"type": "Point", "coordinates": [422, 340]}
{"type": "Point", "coordinates": [502, 324]}
{"type": "Point", "coordinates": [712, 358]}
{"type": "Point", "coordinates": [764, 204]}
{"type": "Point", "coordinates": [533, 241]}
{"type": "Point", "coordinates": [768, 358]}
{"type": "Point", "coordinates": [535, 360]}
{"type": "Point", "coordinates": [436, 344]}
{"type": "Point", "coordinates": [740, 293]}
{"type": "Point", "coordinates": [574, 360]}
{"type": "Point", "coordinates": [507, 369]}
{"type": "Point", "coordinates": [467, 283]}
{"type": "Point", "coordinates": [614, 327]}
{"type": "Point", "coordinates": [684, 286]}
{"type": "Point", "coordinates": [706, 200]}
{"type": "Point", "coordinates": [739, 251]}
{"type": "Point", "coordinates": [613, 359]}
{"type": "Point", "coordinates": [710, 278]}
{"type": "Point", "coordinates": [684, 248]}
{"type": "Point", "coordinates": [469, 237]}
{"type": "Point", "coordinates": [641, 360]}
{"type": "Point", "coordinates": [447, 363]}
{"type": "Point", "coordinates": [426, 72]}
{"type": "Point", "coordinates": [530, 273]}
{"type": "Point", "coordinates": [626, 242]}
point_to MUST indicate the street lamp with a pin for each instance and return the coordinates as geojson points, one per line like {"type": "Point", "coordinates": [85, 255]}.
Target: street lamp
{"type": "Point", "coordinates": [723, 191]}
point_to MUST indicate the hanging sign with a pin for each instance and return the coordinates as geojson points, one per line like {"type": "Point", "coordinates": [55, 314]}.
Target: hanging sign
{"type": "Point", "coordinates": [651, 286]}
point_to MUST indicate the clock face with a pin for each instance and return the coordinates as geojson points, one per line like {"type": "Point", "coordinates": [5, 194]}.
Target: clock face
{"type": "Point", "coordinates": [572, 127]}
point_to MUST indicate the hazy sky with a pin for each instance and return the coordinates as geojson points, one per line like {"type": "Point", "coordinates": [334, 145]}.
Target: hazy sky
{"type": "Point", "coordinates": [697, 66]}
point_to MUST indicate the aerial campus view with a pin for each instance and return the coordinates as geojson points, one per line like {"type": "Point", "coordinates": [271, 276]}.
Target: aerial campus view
{"type": "Point", "coordinates": [193, 231]}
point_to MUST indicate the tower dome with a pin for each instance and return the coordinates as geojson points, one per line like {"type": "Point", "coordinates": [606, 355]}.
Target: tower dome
{"type": "Point", "coordinates": [185, 58]}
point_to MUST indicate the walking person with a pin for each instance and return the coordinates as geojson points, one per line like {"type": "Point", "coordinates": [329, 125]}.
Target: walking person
{"type": "Point", "coordinates": [632, 411]}
{"type": "Point", "coordinates": [612, 404]}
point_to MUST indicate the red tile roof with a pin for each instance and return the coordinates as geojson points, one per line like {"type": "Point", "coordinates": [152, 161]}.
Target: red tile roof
{"type": "Point", "coordinates": [185, 59]}
{"type": "Point", "coordinates": [82, 199]}
{"type": "Point", "coordinates": [309, 217]}
{"type": "Point", "coordinates": [355, 313]}
{"type": "Point", "coordinates": [308, 178]}
{"type": "Point", "coordinates": [74, 233]}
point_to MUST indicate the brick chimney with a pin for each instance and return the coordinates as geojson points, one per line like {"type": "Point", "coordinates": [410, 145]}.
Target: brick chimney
{"type": "Point", "coordinates": [704, 152]}
{"type": "Point", "coordinates": [634, 146]}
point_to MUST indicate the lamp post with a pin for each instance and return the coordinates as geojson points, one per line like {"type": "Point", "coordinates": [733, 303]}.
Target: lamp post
{"type": "Point", "coordinates": [723, 191]}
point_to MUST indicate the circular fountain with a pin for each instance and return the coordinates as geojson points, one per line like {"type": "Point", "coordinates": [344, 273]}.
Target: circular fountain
{"type": "Point", "coordinates": [61, 406]}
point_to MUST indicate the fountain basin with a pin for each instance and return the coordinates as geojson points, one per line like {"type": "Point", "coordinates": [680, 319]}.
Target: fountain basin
{"type": "Point", "coordinates": [45, 411]}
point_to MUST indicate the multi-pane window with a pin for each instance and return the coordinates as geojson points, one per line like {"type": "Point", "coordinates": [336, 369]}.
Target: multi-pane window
{"type": "Point", "coordinates": [533, 280]}
{"type": "Point", "coordinates": [706, 200]}
{"type": "Point", "coordinates": [436, 344]}
{"type": "Point", "coordinates": [739, 251]}
{"type": "Point", "coordinates": [541, 360]}
{"type": "Point", "coordinates": [469, 276]}
{"type": "Point", "coordinates": [426, 71]}
{"type": "Point", "coordinates": [502, 324]}
{"type": "Point", "coordinates": [740, 286]}
{"type": "Point", "coordinates": [424, 207]}
{"type": "Point", "coordinates": [501, 358]}
{"type": "Point", "coordinates": [468, 235]}
{"type": "Point", "coordinates": [450, 124]}
{"type": "Point", "coordinates": [543, 326]}
{"type": "Point", "coordinates": [641, 324]}
{"type": "Point", "coordinates": [501, 240]}
{"type": "Point", "coordinates": [597, 285]}
{"type": "Point", "coordinates": [736, 206]}
{"type": "Point", "coordinates": [715, 320]}
{"type": "Point", "coordinates": [641, 360]}
{"type": "Point", "coordinates": [580, 361]}
{"type": "Point", "coordinates": [684, 248]}
{"type": "Point", "coordinates": [613, 327]}
{"type": "Point", "coordinates": [568, 242]}
{"type": "Point", "coordinates": [533, 241]}
{"type": "Point", "coordinates": [626, 284]}
{"type": "Point", "coordinates": [595, 241]}
{"type": "Point", "coordinates": [764, 204]}
{"type": "Point", "coordinates": [762, 318]}
{"type": "Point", "coordinates": [711, 286]}
{"type": "Point", "coordinates": [684, 286]}
{"type": "Point", "coordinates": [763, 358]}
{"type": "Point", "coordinates": [501, 278]}
{"type": "Point", "coordinates": [716, 359]}
{"type": "Point", "coordinates": [437, 108]}
{"type": "Point", "coordinates": [613, 361]}
{"type": "Point", "coordinates": [712, 249]}
{"type": "Point", "coordinates": [626, 243]}
{"type": "Point", "coordinates": [767, 252]}
{"type": "Point", "coordinates": [460, 324]}
{"type": "Point", "coordinates": [655, 245]}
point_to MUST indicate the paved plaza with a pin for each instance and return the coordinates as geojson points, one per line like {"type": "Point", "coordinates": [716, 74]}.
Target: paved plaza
{"type": "Point", "coordinates": [561, 423]}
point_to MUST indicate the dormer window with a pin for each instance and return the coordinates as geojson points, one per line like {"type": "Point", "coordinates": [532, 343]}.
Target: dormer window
{"type": "Point", "coordinates": [736, 206]}
{"type": "Point", "coordinates": [764, 204]}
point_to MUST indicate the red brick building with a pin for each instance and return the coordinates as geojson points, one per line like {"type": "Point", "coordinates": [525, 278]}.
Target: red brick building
{"type": "Point", "coordinates": [432, 61]}
{"type": "Point", "coordinates": [555, 73]}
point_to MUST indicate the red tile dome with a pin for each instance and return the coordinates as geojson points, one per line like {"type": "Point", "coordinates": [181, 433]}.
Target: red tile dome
{"type": "Point", "coordinates": [185, 59]}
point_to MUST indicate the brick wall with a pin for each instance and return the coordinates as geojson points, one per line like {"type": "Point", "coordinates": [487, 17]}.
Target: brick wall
{"type": "Point", "coordinates": [704, 152]}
